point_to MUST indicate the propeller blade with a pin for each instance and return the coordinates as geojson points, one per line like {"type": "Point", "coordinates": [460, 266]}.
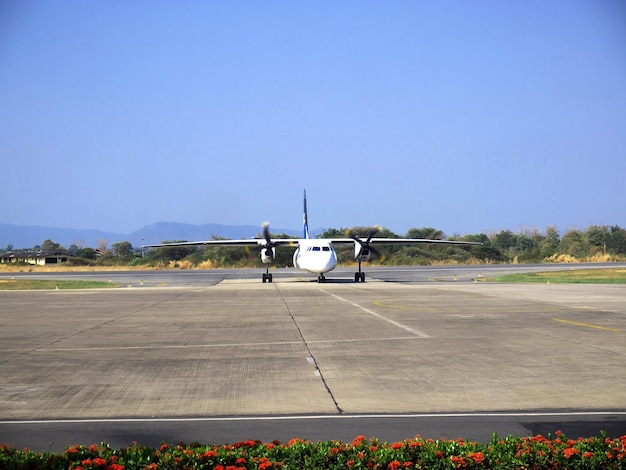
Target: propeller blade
{"type": "Point", "coordinates": [365, 245]}
{"type": "Point", "coordinates": [266, 234]}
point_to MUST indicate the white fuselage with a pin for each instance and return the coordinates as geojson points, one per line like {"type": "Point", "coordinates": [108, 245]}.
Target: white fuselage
{"type": "Point", "coordinates": [315, 256]}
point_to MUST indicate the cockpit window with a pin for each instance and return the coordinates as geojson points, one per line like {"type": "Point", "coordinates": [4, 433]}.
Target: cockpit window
{"type": "Point", "coordinates": [326, 248]}
{"type": "Point", "coordinates": [316, 248]}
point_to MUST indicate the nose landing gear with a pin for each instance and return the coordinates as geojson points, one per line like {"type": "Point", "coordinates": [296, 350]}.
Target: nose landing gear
{"type": "Point", "coordinates": [359, 276]}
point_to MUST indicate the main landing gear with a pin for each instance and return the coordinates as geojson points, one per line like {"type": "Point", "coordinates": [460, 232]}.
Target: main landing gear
{"type": "Point", "coordinates": [360, 276]}
{"type": "Point", "coordinates": [321, 278]}
{"type": "Point", "coordinates": [267, 276]}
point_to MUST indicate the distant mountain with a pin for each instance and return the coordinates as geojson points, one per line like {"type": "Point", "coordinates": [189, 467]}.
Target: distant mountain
{"type": "Point", "coordinates": [161, 231]}
{"type": "Point", "coordinates": [28, 236]}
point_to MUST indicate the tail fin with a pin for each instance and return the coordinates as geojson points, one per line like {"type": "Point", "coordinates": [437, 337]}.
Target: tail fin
{"type": "Point", "coordinates": [306, 220]}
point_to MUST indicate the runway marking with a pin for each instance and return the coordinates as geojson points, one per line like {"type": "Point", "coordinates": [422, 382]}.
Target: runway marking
{"type": "Point", "coordinates": [221, 345]}
{"type": "Point", "coordinates": [514, 414]}
{"type": "Point", "coordinates": [587, 325]}
{"type": "Point", "coordinates": [381, 317]}
{"type": "Point", "coordinates": [183, 346]}
{"type": "Point", "coordinates": [361, 340]}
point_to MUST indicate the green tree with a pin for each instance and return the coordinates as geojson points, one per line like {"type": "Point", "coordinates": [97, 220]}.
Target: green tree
{"type": "Point", "coordinates": [550, 243]}
{"type": "Point", "coordinates": [617, 240]}
{"type": "Point", "coordinates": [123, 249]}
{"type": "Point", "coordinates": [428, 233]}
{"type": "Point", "coordinates": [171, 253]}
{"type": "Point", "coordinates": [334, 233]}
{"type": "Point", "coordinates": [574, 243]}
{"type": "Point", "coordinates": [49, 245]}
{"type": "Point", "coordinates": [86, 253]}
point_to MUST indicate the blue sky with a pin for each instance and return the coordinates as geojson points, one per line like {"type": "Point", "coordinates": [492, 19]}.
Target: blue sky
{"type": "Point", "coordinates": [466, 116]}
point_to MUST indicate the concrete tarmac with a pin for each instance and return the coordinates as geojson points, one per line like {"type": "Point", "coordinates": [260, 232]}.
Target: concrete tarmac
{"type": "Point", "coordinates": [242, 348]}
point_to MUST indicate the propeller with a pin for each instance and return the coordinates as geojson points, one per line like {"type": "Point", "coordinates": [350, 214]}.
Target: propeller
{"type": "Point", "coordinates": [269, 244]}
{"type": "Point", "coordinates": [366, 249]}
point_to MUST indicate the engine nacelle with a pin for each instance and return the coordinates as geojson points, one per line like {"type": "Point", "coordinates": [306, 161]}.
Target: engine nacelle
{"type": "Point", "coordinates": [361, 253]}
{"type": "Point", "coordinates": [268, 255]}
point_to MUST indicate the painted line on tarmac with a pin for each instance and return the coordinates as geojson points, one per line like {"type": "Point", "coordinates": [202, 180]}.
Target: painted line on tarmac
{"type": "Point", "coordinates": [173, 346]}
{"type": "Point", "coordinates": [587, 325]}
{"type": "Point", "coordinates": [381, 317]}
{"type": "Point", "coordinates": [504, 414]}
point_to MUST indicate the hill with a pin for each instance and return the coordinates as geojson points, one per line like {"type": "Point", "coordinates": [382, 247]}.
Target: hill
{"type": "Point", "coordinates": [28, 236]}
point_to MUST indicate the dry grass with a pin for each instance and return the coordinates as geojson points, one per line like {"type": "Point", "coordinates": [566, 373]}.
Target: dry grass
{"type": "Point", "coordinates": [15, 268]}
{"type": "Point", "coordinates": [597, 258]}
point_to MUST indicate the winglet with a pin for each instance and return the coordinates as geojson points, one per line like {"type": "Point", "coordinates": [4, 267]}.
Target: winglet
{"type": "Point", "coordinates": [306, 220]}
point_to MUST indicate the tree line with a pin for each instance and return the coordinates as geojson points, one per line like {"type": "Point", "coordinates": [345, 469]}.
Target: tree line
{"type": "Point", "coordinates": [596, 243]}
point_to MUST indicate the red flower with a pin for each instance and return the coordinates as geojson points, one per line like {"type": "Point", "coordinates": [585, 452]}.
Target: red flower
{"type": "Point", "coordinates": [357, 441]}
{"type": "Point", "coordinates": [394, 465]}
{"type": "Point", "coordinates": [477, 457]}
{"type": "Point", "coordinates": [569, 452]}
{"type": "Point", "coordinates": [397, 445]}
{"type": "Point", "coordinates": [458, 461]}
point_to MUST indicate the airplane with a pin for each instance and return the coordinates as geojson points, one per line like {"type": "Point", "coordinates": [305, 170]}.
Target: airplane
{"type": "Point", "coordinates": [314, 255]}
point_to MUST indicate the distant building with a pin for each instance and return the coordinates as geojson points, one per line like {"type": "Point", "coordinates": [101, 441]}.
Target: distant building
{"type": "Point", "coordinates": [39, 258]}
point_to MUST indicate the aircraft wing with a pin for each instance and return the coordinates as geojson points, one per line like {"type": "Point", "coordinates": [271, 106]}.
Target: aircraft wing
{"type": "Point", "coordinates": [243, 242]}
{"type": "Point", "coordinates": [401, 241]}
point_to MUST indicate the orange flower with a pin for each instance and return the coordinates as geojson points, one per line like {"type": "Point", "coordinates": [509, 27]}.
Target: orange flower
{"type": "Point", "coordinates": [394, 465]}
{"type": "Point", "coordinates": [477, 457]}
{"type": "Point", "coordinates": [458, 461]}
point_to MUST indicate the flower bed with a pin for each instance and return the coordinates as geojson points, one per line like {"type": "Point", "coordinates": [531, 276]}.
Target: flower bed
{"type": "Point", "coordinates": [502, 453]}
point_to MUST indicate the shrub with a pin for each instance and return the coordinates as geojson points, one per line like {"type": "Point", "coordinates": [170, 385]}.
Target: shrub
{"type": "Point", "coordinates": [535, 452]}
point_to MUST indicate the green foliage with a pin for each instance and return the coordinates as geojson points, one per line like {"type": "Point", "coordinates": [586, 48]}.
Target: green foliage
{"type": "Point", "coordinates": [86, 253]}
{"type": "Point", "coordinates": [535, 452]}
{"type": "Point", "coordinates": [123, 249]}
{"type": "Point", "coordinates": [49, 245]}
{"type": "Point", "coordinates": [597, 243]}
{"type": "Point", "coordinates": [170, 253]}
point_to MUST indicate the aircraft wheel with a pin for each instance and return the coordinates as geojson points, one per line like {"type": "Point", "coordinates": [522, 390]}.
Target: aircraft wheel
{"type": "Point", "coordinates": [362, 277]}
{"type": "Point", "coordinates": [357, 277]}
{"type": "Point", "coordinates": [264, 278]}
{"type": "Point", "coordinates": [269, 278]}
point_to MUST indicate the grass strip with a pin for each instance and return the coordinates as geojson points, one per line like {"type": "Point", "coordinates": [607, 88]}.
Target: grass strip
{"type": "Point", "coordinates": [581, 276]}
{"type": "Point", "coordinates": [44, 284]}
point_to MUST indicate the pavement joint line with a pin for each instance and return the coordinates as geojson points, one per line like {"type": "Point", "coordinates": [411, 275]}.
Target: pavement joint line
{"type": "Point", "coordinates": [378, 315]}
{"type": "Point", "coordinates": [504, 414]}
{"type": "Point", "coordinates": [311, 356]}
